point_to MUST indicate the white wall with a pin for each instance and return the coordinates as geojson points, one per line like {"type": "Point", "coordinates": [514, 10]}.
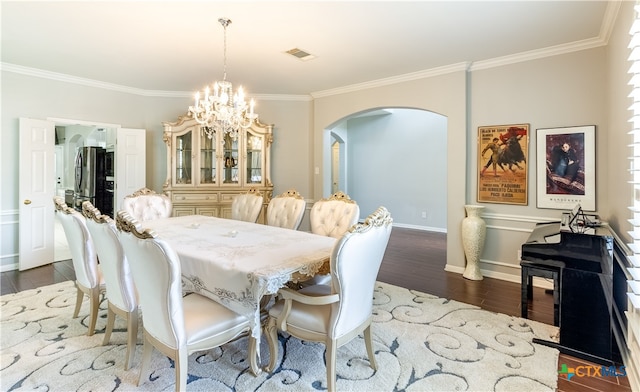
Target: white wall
{"type": "Point", "coordinates": [558, 91]}
{"type": "Point", "coordinates": [444, 94]}
{"type": "Point", "coordinates": [399, 160]}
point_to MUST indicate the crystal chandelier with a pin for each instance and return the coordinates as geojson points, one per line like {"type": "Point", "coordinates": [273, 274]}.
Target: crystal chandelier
{"type": "Point", "coordinates": [223, 111]}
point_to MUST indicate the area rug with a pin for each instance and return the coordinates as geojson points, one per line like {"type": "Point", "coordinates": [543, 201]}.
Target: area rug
{"type": "Point", "coordinates": [421, 343]}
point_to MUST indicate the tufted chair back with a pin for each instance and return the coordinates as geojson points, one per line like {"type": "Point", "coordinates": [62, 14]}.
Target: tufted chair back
{"type": "Point", "coordinates": [246, 207]}
{"type": "Point", "coordinates": [89, 279]}
{"type": "Point", "coordinates": [145, 204]}
{"type": "Point", "coordinates": [334, 215]}
{"type": "Point", "coordinates": [121, 293]}
{"type": "Point", "coordinates": [286, 210]}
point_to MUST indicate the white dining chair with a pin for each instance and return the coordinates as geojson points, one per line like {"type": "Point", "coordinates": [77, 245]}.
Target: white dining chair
{"type": "Point", "coordinates": [332, 217]}
{"type": "Point", "coordinates": [246, 206]}
{"type": "Point", "coordinates": [335, 314]}
{"type": "Point", "coordinates": [175, 325]}
{"type": "Point", "coordinates": [286, 210]}
{"type": "Point", "coordinates": [122, 298]}
{"type": "Point", "coordinates": [89, 279]}
{"type": "Point", "coordinates": [145, 204]}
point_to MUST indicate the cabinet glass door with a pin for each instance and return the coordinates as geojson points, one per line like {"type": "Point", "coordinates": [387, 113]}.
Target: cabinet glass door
{"type": "Point", "coordinates": [254, 159]}
{"type": "Point", "coordinates": [183, 158]}
{"type": "Point", "coordinates": [207, 159]}
{"type": "Point", "coordinates": [230, 160]}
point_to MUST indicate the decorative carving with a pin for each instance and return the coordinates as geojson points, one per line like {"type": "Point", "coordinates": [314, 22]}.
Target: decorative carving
{"type": "Point", "coordinates": [141, 192]}
{"type": "Point", "coordinates": [127, 224]}
{"type": "Point", "coordinates": [91, 212]}
{"type": "Point", "coordinates": [292, 193]}
{"type": "Point", "coordinates": [254, 191]}
{"type": "Point", "coordinates": [61, 206]}
{"type": "Point", "coordinates": [340, 196]}
{"type": "Point", "coordinates": [380, 217]}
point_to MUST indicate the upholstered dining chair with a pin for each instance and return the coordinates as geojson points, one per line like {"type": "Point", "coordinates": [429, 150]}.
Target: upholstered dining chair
{"type": "Point", "coordinates": [122, 298]}
{"type": "Point", "coordinates": [332, 217]}
{"type": "Point", "coordinates": [334, 314]}
{"type": "Point", "coordinates": [246, 206]}
{"type": "Point", "coordinates": [175, 325]}
{"type": "Point", "coordinates": [89, 279]}
{"type": "Point", "coordinates": [286, 210]}
{"type": "Point", "coordinates": [145, 204]}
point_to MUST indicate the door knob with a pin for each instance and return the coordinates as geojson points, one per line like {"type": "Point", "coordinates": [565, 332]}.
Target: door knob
{"type": "Point", "coordinates": [27, 202]}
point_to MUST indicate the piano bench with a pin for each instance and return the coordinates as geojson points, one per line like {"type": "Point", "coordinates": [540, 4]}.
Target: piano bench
{"type": "Point", "coordinates": [531, 269]}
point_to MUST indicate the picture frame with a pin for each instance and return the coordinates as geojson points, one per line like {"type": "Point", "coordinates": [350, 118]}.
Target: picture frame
{"type": "Point", "coordinates": [502, 164]}
{"type": "Point", "coordinates": [566, 173]}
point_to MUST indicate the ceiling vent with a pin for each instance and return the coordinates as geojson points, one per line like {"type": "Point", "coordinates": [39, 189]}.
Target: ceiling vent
{"type": "Point", "coordinates": [300, 54]}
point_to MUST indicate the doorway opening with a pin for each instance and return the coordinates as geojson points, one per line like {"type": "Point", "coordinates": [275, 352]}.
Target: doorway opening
{"type": "Point", "coordinates": [396, 157]}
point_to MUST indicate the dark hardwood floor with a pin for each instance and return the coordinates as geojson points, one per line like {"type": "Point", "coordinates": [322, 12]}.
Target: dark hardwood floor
{"type": "Point", "coordinates": [414, 259]}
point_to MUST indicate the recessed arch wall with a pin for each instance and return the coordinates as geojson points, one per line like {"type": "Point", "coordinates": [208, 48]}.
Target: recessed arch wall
{"type": "Point", "coordinates": [445, 94]}
{"type": "Point", "coordinates": [395, 157]}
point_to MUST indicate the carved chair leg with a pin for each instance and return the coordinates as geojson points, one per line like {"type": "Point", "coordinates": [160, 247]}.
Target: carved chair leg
{"type": "Point", "coordinates": [146, 359]}
{"type": "Point", "coordinates": [132, 338]}
{"type": "Point", "coordinates": [79, 298]}
{"type": "Point", "coordinates": [111, 318]}
{"type": "Point", "coordinates": [369, 343]}
{"type": "Point", "coordinates": [330, 359]}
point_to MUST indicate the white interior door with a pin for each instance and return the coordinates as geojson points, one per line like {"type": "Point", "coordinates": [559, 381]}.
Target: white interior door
{"type": "Point", "coordinates": [36, 190]}
{"type": "Point", "coordinates": [130, 163]}
{"type": "Point", "coordinates": [335, 167]}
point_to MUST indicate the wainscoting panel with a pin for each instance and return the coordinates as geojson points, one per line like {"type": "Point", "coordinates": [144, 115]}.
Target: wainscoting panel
{"type": "Point", "coordinates": [8, 240]}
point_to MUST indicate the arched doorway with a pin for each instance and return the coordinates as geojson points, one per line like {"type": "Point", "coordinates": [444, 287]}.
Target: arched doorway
{"type": "Point", "coordinates": [396, 157]}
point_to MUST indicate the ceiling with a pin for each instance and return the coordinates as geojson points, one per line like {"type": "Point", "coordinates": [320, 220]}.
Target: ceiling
{"type": "Point", "coordinates": [177, 46]}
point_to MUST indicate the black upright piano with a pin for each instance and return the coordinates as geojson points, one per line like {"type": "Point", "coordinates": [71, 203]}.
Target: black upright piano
{"type": "Point", "coordinates": [585, 264]}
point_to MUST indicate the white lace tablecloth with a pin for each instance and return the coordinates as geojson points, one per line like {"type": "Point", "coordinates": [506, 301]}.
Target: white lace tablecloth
{"type": "Point", "coordinates": [237, 263]}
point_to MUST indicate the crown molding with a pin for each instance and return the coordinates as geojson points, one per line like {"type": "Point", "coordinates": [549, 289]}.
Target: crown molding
{"type": "Point", "coordinates": [608, 22]}
{"type": "Point", "coordinates": [60, 77]}
{"type": "Point", "coordinates": [538, 54]}
{"type": "Point", "coordinates": [429, 73]}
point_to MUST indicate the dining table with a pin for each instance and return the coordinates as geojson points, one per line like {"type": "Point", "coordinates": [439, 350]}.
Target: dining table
{"type": "Point", "coordinates": [238, 263]}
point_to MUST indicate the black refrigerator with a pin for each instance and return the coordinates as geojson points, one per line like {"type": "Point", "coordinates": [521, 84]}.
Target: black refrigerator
{"type": "Point", "coordinates": [90, 180]}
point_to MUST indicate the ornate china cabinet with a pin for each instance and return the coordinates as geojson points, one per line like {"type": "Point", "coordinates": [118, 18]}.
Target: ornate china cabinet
{"type": "Point", "coordinates": [204, 174]}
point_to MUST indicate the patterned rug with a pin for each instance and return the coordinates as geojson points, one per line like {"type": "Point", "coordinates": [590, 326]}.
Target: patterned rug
{"type": "Point", "coordinates": [421, 343]}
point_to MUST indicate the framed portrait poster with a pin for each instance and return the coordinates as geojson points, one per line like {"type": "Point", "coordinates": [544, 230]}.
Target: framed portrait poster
{"type": "Point", "coordinates": [502, 163]}
{"type": "Point", "coordinates": [566, 167]}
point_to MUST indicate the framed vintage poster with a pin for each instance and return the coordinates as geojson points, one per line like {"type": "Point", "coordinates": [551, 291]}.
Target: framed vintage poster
{"type": "Point", "coordinates": [502, 164]}
{"type": "Point", "coordinates": [566, 167]}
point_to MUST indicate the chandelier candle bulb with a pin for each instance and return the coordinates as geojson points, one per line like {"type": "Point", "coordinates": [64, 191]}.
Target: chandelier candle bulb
{"type": "Point", "coordinates": [225, 111]}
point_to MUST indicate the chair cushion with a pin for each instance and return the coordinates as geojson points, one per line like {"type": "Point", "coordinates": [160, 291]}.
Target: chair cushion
{"type": "Point", "coordinates": [206, 320]}
{"type": "Point", "coordinates": [311, 318]}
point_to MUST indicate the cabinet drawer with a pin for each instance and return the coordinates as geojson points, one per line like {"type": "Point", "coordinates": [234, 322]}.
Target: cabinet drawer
{"type": "Point", "coordinates": [228, 197]}
{"type": "Point", "coordinates": [197, 197]}
{"type": "Point", "coordinates": [183, 211]}
{"type": "Point", "coordinates": [207, 211]}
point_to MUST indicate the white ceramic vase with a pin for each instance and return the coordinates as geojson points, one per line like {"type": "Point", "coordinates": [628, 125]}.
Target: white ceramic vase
{"type": "Point", "coordinates": [474, 231]}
